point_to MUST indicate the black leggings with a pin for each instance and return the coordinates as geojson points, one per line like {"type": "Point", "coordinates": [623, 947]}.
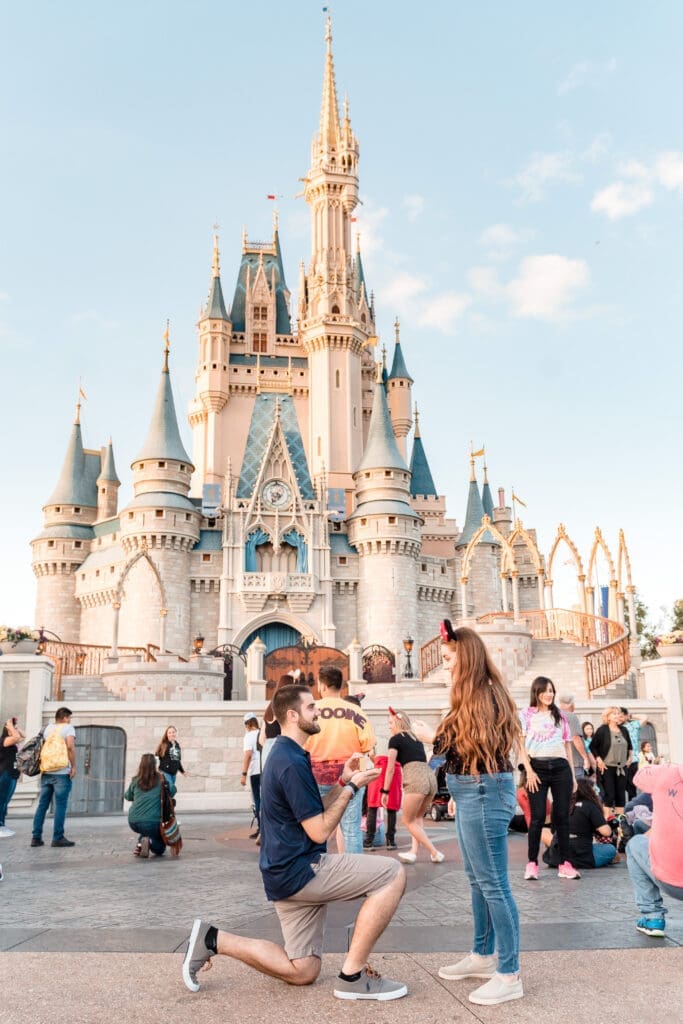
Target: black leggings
{"type": "Point", "coordinates": [613, 786]}
{"type": "Point", "coordinates": [371, 826]}
{"type": "Point", "coordinates": [555, 775]}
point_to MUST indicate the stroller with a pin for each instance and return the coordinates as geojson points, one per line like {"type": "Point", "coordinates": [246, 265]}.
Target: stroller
{"type": "Point", "coordinates": [439, 809]}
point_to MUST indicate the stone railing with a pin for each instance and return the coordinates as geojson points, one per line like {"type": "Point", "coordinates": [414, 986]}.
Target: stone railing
{"type": "Point", "coordinates": [87, 659]}
{"type": "Point", "coordinates": [278, 582]}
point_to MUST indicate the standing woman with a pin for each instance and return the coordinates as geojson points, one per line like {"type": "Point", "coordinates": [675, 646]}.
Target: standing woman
{"type": "Point", "coordinates": [611, 748]}
{"type": "Point", "coordinates": [419, 784]}
{"type": "Point", "coordinates": [144, 813]}
{"type": "Point", "coordinates": [168, 753]}
{"type": "Point", "coordinates": [10, 736]}
{"type": "Point", "coordinates": [478, 737]}
{"type": "Point", "coordinates": [587, 733]}
{"type": "Point", "coordinates": [548, 743]}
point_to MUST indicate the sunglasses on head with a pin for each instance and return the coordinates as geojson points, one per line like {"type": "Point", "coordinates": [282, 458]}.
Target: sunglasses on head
{"type": "Point", "coordinates": [448, 634]}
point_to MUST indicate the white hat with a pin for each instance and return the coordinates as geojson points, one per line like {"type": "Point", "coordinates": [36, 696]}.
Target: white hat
{"type": "Point", "coordinates": [249, 716]}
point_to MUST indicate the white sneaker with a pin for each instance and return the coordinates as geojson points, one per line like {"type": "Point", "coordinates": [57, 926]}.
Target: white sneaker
{"type": "Point", "coordinates": [6, 832]}
{"type": "Point", "coordinates": [497, 990]}
{"type": "Point", "coordinates": [408, 858]}
{"type": "Point", "coordinates": [471, 966]}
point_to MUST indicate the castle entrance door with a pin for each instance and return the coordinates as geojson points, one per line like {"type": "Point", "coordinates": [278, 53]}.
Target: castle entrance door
{"type": "Point", "coordinates": [308, 658]}
{"type": "Point", "coordinates": [99, 782]}
{"type": "Point", "coordinates": [378, 665]}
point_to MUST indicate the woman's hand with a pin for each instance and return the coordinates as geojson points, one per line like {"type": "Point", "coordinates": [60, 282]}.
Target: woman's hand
{"type": "Point", "coordinates": [574, 784]}
{"type": "Point", "coordinates": [385, 800]}
{"type": "Point", "coordinates": [424, 732]}
{"type": "Point", "coordinates": [600, 763]}
{"type": "Point", "coordinates": [532, 781]}
{"type": "Point", "coordinates": [361, 779]}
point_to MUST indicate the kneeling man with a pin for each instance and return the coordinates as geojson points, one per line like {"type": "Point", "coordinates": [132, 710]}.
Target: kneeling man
{"type": "Point", "coordinates": [300, 877]}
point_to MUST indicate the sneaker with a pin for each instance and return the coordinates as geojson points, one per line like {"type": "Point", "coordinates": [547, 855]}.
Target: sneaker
{"type": "Point", "coordinates": [653, 926]}
{"type": "Point", "coordinates": [136, 849]}
{"type": "Point", "coordinates": [253, 835]}
{"type": "Point", "coordinates": [370, 985]}
{"type": "Point", "coordinates": [408, 857]}
{"type": "Point", "coordinates": [144, 846]}
{"type": "Point", "coordinates": [6, 832]}
{"type": "Point", "coordinates": [438, 857]}
{"type": "Point", "coordinates": [567, 870]}
{"type": "Point", "coordinates": [367, 844]}
{"type": "Point", "coordinates": [471, 967]}
{"type": "Point", "coordinates": [62, 842]}
{"type": "Point", "coordinates": [497, 990]}
{"type": "Point", "coordinates": [391, 845]}
{"type": "Point", "coordinates": [197, 954]}
{"type": "Point", "coordinates": [37, 841]}
{"type": "Point", "coordinates": [531, 872]}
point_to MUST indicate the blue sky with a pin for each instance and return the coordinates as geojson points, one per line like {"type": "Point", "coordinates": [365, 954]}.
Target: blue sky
{"type": "Point", "coordinates": [522, 183]}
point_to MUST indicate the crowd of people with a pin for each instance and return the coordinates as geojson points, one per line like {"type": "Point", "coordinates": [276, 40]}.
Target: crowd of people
{"type": "Point", "coordinates": [315, 771]}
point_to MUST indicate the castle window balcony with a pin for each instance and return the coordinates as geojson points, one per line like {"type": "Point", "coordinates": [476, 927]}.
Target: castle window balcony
{"type": "Point", "coordinates": [297, 587]}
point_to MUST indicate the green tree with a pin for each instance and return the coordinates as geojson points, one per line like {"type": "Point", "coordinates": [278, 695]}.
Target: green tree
{"type": "Point", "coordinates": [677, 615]}
{"type": "Point", "coordinates": [645, 629]}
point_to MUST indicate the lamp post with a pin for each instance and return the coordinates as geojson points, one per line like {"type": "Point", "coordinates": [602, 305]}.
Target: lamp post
{"type": "Point", "coordinates": [198, 643]}
{"type": "Point", "coordinates": [408, 647]}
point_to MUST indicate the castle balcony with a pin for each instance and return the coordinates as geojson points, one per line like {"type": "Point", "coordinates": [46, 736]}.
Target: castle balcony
{"type": "Point", "coordinates": [299, 589]}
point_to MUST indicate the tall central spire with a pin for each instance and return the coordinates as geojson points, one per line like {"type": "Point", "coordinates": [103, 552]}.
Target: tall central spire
{"type": "Point", "coordinates": [329, 113]}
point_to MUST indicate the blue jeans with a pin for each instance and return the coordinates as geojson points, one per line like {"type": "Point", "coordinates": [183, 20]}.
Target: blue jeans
{"type": "Point", "coordinates": [350, 821]}
{"type": "Point", "coordinates": [151, 829]}
{"type": "Point", "coordinates": [603, 854]}
{"type": "Point", "coordinates": [485, 805]}
{"type": "Point", "coordinates": [171, 779]}
{"type": "Point", "coordinates": [7, 786]}
{"type": "Point", "coordinates": [646, 888]}
{"type": "Point", "coordinates": [59, 786]}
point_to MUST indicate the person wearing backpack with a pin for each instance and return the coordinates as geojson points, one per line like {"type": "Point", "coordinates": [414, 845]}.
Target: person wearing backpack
{"type": "Point", "coordinates": [57, 769]}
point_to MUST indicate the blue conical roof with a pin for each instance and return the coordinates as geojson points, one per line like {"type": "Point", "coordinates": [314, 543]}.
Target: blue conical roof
{"type": "Point", "coordinates": [163, 437]}
{"type": "Point", "coordinates": [421, 481]}
{"type": "Point", "coordinates": [381, 450]}
{"type": "Point", "coordinates": [359, 278]}
{"type": "Point", "coordinates": [487, 499]}
{"type": "Point", "coordinates": [76, 484]}
{"type": "Point", "coordinates": [398, 367]}
{"type": "Point", "coordinates": [215, 307]}
{"type": "Point", "coordinates": [108, 471]}
{"type": "Point", "coordinates": [473, 518]}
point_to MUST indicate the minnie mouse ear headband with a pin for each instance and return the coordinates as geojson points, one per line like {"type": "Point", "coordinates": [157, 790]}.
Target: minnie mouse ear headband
{"type": "Point", "coordinates": [447, 632]}
{"type": "Point", "coordinates": [396, 714]}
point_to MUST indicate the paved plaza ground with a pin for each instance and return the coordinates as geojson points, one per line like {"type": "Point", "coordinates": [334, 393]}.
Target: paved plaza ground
{"type": "Point", "coordinates": [95, 928]}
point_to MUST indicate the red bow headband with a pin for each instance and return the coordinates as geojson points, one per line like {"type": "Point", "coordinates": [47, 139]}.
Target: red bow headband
{"type": "Point", "coordinates": [447, 632]}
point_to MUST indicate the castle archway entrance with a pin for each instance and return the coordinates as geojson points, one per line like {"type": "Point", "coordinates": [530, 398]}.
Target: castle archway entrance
{"type": "Point", "coordinates": [308, 658]}
{"type": "Point", "coordinates": [378, 665]}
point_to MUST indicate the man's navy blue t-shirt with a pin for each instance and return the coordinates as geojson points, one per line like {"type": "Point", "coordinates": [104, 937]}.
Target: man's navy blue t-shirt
{"type": "Point", "coordinates": [289, 795]}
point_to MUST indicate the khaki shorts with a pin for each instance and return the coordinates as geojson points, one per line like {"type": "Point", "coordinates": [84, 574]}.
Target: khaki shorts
{"type": "Point", "coordinates": [418, 777]}
{"type": "Point", "coordinates": [345, 876]}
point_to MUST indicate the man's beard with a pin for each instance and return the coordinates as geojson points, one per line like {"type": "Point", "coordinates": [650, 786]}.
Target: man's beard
{"type": "Point", "coordinates": [310, 728]}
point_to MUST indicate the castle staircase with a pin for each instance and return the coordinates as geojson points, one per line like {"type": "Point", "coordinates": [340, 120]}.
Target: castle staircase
{"type": "Point", "coordinates": [78, 688]}
{"type": "Point", "coordinates": [76, 663]}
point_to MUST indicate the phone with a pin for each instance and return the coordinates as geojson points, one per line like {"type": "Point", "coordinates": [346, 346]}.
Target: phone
{"type": "Point", "coordinates": [364, 763]}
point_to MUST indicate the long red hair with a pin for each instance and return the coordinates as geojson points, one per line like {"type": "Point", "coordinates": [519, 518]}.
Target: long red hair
{"type": "Point", "coordinates": [482, 724]}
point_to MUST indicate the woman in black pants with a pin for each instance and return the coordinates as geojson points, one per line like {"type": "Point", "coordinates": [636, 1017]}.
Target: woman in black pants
{"type": "Point", "coordinates": [611, 748]}
{"type": "Point", "coordinates": [549, 766]}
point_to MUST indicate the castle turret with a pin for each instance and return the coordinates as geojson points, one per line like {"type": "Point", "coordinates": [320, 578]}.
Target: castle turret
{"type": "Point", "coordinates": [66, 538]}
{"type": "Point", "coordinates": [385, 530]}
{"type": "Point", "coordinates": [486, 497]}
{"type": "Point", "coordinates": [158, 529]}
{"type": "Point", "coordinates": [108, 485]}
{"type": "Point", "coordinates": [399, 388]}
{"type": "Point", "coordinates": [481, 583]}
{"type": "Point", "coordinates": [212, 386]}
{"type": "Point", "coordinates": [333, 325]}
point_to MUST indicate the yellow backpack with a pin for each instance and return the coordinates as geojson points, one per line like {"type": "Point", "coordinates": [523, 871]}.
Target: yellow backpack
{"type": "Point", "coordinates": [53, 754]}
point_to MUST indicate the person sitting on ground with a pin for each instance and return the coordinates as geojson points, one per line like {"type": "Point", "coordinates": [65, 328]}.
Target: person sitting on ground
{"type": "Point", "coordinates": [655, 860]}
{"type": "Point", "coordinates": [586, 819]}
{"type": "Point", "coordinates": [647, 755]}
{"type": "Point", "coordinates": [144, 813]}
{"type": "Point", "coordinates": [301, 878]}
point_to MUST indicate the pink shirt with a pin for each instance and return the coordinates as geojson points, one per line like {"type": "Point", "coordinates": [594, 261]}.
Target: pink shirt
{"type": "Point", "coordinates": [665, 782]}
{"type": "Point", "coordinates": [542, 738]}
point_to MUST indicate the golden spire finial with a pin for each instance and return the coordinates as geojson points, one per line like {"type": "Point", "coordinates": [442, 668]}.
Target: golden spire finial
{"type": "Point", "coordinates": [378, 376]}
{"type": "Point", "coordinates": [77, 421]}
{"type": "Point", "coordinates": [216, 263]}
{"type": "Point", "coordinates": [329, 114]}
{"type": "Point", "coordinates": [167, 344]}
{"type": "Point", "coordinates": [358, 242]}
{"type": "Point", "coordinates": [384, 357]}
{"type": "Point", "coordinates": [276, 220]}
{"type": "Point", "coordinates": [244, 238]}
{"type": "Point", "coordinates": [397, 330]}
{"type": "Point", "coordinates": [473, 476]}
{"type": "Point", "coordinates": [417, 422]}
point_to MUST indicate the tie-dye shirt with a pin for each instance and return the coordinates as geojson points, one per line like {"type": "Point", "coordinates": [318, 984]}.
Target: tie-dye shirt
{"type": "Point", "coordinates": [542, 738]}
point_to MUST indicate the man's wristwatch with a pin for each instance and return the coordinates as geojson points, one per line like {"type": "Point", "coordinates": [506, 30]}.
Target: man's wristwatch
{"type": "Point", "coordinates": [352, 786]}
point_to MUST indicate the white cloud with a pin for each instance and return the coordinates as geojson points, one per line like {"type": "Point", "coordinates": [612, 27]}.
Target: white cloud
{"type": "Point", "coordinates": [500, 239]}
{"type": "Point", "coordinates": [622, 199]}
{"type": "Point", "coordinates": [669, 170]}
{"type": "Point", "coordinates": [442, 312]}
{"type": "Point", "coordinates": [413, 205]}
{"type": "Point", "coordinates": [368, 224]}
{"type": "Point", "coordinates": [402, 290]}
{"type": "Point", "coordinates": [586, 72]}
{"type": "Point", "coordinates": [91, 316]}
{"type": "Point", "coordinates": [598, 148]}
{"type": "Point", "coordinates": [485, 281]}
{"type": "Point", "coordinates": [543, 170]}
{"type": "Point", "coordinates": [546, 286]}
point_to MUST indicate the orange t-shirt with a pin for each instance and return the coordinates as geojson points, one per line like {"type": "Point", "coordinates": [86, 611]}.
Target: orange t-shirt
{"type": "Point", "coordinates": [344, 730]}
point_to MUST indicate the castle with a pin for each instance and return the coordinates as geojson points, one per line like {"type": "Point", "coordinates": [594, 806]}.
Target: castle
{"type": "Point", "coordinates": [300, 512]}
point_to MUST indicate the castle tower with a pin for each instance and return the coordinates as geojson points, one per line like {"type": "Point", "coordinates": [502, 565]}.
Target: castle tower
{"type": "Point", "coordinates": [66, 538]}
{"type": "Point", "coordinates": [158, 529]}
{"type": "Point", "coordinates": [483, 581]}
{"type": "Point", "coordinates": [211, 379]}
{"type": "Point", "coordinates": [486, 496]}
{"type": "Point", "coordinates": [108, 485]}
{"type": "Point", "coordinates": [334, 324]}
{"type": "Point", "coordinates": [399, 385]}
{"type": "Point", "coordinates": [385, 530]}
{"type": "Point", "coordinates": [421, 480]}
